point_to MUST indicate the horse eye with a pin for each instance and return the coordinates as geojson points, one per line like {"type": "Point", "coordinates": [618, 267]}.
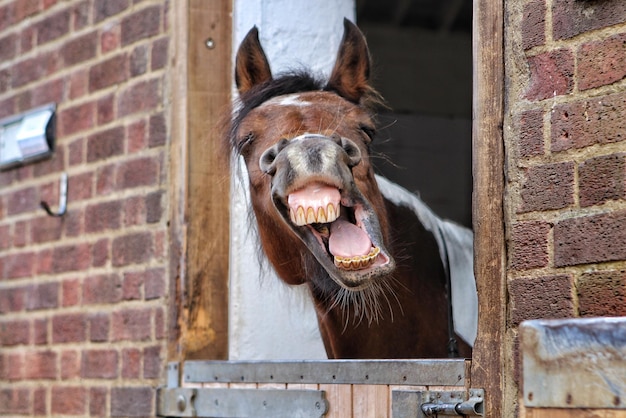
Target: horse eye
{"type": "Point", "coordinates": [245, 141]}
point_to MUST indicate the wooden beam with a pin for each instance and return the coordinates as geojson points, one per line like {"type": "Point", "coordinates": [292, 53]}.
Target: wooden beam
{"type": "Point", "coordinates": [177, 180]}
{"type": "Point", "coordinates": [208, 181]}
{"type": "Point", "coordinates": [488, 360]}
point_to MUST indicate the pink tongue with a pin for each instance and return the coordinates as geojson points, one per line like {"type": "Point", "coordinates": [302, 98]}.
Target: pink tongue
{"type": "Point", "coordinates": [348, 240]}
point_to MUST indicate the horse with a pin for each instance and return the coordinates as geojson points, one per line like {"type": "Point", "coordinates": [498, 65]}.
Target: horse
{"type": "Point", "coordinates": [382, 269]}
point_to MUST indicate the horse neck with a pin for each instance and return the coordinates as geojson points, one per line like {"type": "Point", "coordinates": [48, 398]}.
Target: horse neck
{"type": "Point", "coordinates": [417, 302]}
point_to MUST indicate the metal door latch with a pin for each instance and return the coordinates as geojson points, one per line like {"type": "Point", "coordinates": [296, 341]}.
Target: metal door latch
{"type": "Point", "coordinates": [422, 404]}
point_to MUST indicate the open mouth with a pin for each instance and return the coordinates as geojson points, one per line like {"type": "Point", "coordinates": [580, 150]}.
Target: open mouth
{"type": "Point", "coordinates": [339, 229]}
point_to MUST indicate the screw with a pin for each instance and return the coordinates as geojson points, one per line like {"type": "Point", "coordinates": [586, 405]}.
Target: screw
{"type": "Point", "coordinates": [209, 43]}
{"type": "Point", "coordinates": [181, 402]}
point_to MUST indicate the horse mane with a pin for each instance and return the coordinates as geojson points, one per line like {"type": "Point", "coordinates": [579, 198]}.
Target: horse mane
{"type": "Point", "coordinates": [295, 81]}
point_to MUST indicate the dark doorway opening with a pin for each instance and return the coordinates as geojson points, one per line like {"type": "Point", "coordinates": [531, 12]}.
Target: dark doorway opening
{"type": "Point", "coordinates": [422, 54]}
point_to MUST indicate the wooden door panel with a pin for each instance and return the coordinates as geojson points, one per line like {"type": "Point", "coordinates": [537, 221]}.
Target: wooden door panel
{"type": "Point", "coordinates": [339, 399]}
{"type": "Point", "coordinates": [359, 389]}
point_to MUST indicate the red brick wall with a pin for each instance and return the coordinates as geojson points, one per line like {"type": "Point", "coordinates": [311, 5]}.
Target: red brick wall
{"type": "Point", "coordinates": [83, 297]}
{"type": "Point", "coordinates": [565, 132]}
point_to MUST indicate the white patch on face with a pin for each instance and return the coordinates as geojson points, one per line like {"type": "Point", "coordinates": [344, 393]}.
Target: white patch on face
{"type": "Point", "coordinates": [287, 100]}
{"type": "Point", "coordinates": [307, 136]}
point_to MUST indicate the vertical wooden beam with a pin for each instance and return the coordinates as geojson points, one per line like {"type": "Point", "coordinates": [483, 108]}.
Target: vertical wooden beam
{"type": "Point", "coordinates": [488, 360]}
{"type": "Point", "coordinates": [207, 212]}
{"type": "Point", "coordinates": [177, 180]}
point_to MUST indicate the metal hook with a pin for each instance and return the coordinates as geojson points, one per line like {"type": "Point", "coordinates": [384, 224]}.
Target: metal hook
{"type": "Point", "coordinates": [62, 199]}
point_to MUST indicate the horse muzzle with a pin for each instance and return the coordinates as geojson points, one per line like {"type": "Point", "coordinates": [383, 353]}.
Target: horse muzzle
{"type": "Point", "coordinates": [315, 193]}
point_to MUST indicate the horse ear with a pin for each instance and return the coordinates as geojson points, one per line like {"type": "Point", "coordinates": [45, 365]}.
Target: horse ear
{"type": "Point", "coordinates": [351, 73]}
{"type": "Point", "coordinates": [251, 66]}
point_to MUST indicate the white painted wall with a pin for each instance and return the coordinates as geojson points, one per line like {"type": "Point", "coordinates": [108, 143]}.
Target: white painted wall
{"type": "Point", "coordinates": [270, 320]}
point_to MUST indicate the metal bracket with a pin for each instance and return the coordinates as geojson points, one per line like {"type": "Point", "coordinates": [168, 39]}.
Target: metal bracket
{"type": "Point", "coordinates": [173, 374]}
{"type": "Point", "coordinates": [229, 403]}
{"type": "Point", "coordinates": [62, 199]}
{"type": "Point", "coordinates": [448, 372]}
{"type": "Point", "coordinates": [422, 404]}
{"type": "Point", "coordinates": [574, 363]}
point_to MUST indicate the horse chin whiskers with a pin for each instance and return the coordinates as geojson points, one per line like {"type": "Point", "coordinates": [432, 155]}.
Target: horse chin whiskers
{"type": "Point", "coordinates": [367, 304]}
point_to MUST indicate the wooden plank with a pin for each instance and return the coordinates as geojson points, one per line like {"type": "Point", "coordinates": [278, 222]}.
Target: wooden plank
{"type": "Point", "coordinates": [243, 385]}
{"type": "Point", "coordinates": [370, 401]}
{"type": "Point", "coordinates": [339, 399]}
{"type": "Point", "coordinates": [282, 386]}
{"type": "Point", "coordinates": [488, 360]}
{"type": "Point", "coordinates": [300, 386]}
{"type": "Point", "coordinates": [207, 211]}
{"type": "Point", "coordinates": [211, 385]}
{"type": "Point", "coordinates": [177, 176]}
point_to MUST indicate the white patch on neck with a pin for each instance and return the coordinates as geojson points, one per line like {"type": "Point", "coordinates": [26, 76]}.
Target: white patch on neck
{"type": "Point", "coordinates": [287, 100]}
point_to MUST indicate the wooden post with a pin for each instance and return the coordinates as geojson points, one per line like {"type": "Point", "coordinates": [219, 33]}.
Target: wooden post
{"type": "Point", "coordinates": [488, 216]}
{"type": "Point", "coordinates": [199, 199]}
{"type": "Point", "coordinates": [209, 62]}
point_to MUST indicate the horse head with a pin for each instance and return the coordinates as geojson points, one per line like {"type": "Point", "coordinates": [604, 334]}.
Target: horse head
{"type": "Point", "coordinates": [306, 149]}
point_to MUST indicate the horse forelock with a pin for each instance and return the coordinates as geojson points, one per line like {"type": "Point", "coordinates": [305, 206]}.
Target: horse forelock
{"type": "Point", "coordinates": [289, 83]}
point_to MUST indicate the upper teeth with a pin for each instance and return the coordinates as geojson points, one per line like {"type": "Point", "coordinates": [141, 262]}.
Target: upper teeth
{"type": "Point", "coordinates": [310, 215]}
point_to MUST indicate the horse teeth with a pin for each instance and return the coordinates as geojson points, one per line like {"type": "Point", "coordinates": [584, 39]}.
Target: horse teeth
{"type": "Point", "coordinates": [357, 262]}
{"type": "Point", "coordinates": [321, 216]}
{"type": "Point", "coordinates": [332, 213]}
{"type": "Point", "coordinates": [323, 229]}
{"type": "Point", "coordinates": [300, 218]}
{"type": "Point", "coordinates": [310, 216]}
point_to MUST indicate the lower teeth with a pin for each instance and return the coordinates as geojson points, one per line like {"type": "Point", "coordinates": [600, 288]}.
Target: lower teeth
{"type": "Point", "coordinates": [357, 262]}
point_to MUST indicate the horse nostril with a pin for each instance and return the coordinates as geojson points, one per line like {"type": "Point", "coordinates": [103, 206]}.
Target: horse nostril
{"type": "Point", "coordinates": [266, 162]}
{"type": "Point", "coordinates": [352, 150]}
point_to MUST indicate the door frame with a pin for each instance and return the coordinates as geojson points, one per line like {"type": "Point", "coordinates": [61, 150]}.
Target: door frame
{"type": "Point", "coordinates": [201, 90]}
{"type": "Point", "coordinates": [200, 84]}
{"type": "Point", "coordinates": [489, 366]}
